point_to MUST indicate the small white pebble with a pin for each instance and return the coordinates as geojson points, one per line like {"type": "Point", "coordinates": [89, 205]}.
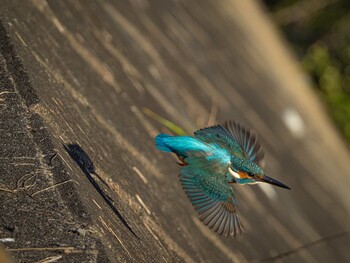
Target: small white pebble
{"type": "Point", "coordinates": [143, 204]}
{"type": "Point", "coordinates": [7, 239]}
{"type": "Point", "coordinates": [294, 122]}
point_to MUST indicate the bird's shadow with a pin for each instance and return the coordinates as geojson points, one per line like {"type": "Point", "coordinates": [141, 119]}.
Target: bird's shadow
{"type": "Point", "coordinates": [87, 166]}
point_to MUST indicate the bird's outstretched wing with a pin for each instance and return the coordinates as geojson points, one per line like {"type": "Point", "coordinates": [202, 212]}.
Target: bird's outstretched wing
{"type": "Point", "coordinates": [212, 197]}
{"type": "Point", "coordinates": [231, 135]}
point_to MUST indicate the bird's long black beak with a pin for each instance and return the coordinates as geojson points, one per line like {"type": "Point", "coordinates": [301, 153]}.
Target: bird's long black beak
{"type": "Point", "coordinates": [269, 180]}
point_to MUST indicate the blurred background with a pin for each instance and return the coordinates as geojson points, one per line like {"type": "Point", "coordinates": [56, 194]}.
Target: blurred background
{"type": "Point", "coordinates": [107, 76]}
{"type": "Point", "coordinates": [318, 32]}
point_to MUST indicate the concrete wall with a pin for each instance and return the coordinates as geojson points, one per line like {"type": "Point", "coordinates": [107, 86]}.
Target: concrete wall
{"type": "Point", "coordinates": [80, 177]}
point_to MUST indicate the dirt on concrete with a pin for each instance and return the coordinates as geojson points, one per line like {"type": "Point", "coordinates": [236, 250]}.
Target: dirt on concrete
{"type": "Point", "coordinates": [80, 178]}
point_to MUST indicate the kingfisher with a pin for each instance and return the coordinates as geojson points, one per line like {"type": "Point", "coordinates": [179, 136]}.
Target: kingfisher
{"type": "Point", "coordinates": [212, 161]}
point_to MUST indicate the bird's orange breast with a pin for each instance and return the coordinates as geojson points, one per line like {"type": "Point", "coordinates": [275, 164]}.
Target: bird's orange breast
{"type": "Point", "coordinates": [243, 175]}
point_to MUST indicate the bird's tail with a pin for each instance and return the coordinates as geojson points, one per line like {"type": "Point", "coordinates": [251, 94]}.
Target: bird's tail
{"type": "Point", "coordinates": [160, 144]}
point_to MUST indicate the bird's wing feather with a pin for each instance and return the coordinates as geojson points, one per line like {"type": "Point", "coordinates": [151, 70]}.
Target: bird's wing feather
{"type": "Point", "coordinates": [213, 199]}
{"type": "Point", "coordinates": [237, 139]}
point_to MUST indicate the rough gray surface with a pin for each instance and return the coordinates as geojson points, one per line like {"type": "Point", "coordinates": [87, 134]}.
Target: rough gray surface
{"type": "Point", "coordinates": [79, 72]}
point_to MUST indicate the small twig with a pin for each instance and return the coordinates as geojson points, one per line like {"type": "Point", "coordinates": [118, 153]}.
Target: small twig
{"type": "Point", "coordinates": [6, 92]}
{"type": "Point", "coordinates": [8, 190]}
{"type": "Point", "coordinates": [50, 259]}
{"type": "Point", "coordinates": [22, 183]}
{"type": "Point", "coordinates": [305, 246]}
{"type": "Point", "coordinates": [30, 185]}
{"type": "Point", "coordinates": [7, 239]}
{"type": "Point", "coordinates": [53, 186]}
{"type": "Point", "coordinates": [113, 233]}
{"type": "Point", "coordinates": [65, 249]}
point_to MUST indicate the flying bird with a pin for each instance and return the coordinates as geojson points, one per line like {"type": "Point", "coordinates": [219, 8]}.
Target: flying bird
{"type": "Point", "coordinates": [212, 161]}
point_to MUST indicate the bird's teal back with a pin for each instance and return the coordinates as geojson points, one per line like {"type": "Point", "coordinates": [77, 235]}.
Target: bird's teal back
{"type": "Point", "coordinates": [180, 144]}
{"type": "Point", "coordinates": [196, 151]}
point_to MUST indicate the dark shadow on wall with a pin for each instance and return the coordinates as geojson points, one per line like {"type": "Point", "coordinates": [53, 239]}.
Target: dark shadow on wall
{"type": "Point", "coordinates": [87, 166]}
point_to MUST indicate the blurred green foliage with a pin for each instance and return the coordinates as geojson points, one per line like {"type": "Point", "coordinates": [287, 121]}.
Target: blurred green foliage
{"type": "Point", "coordinates": [175, 129]}
{"type": "Point", "coordinates": [319, 31]}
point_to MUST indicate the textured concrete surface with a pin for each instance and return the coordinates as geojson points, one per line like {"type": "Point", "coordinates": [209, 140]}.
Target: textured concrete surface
{"type": "Point", "coordinates": [80, 179]}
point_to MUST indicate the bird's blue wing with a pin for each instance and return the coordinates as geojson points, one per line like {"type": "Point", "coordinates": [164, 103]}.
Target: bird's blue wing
{"type": "Point", "coordinates": [213, 199]}
{"type": "Point", "coordinates": [239, 140]}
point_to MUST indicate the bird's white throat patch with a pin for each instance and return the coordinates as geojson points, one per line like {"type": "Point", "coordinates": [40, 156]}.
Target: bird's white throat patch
{"type": "Point", "coordinates": [234, 174]}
